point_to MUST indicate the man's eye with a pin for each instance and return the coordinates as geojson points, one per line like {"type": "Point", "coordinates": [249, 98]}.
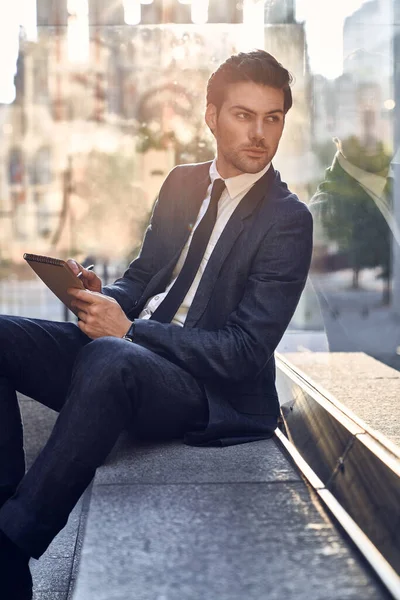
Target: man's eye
{"type": "Point", "coordinates": [273, 119]}
{"type": "Point", "coordinates": [242, 116]}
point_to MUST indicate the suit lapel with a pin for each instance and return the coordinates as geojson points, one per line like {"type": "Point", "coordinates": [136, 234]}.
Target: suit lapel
{"type": "Point", "coordinates": [188, 199]}
{"type": "Point", "coordinates": [228, 237]}
{"type": "Point", "coordinates": [194, 190]}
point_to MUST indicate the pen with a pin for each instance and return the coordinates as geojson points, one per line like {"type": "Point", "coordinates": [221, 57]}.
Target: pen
{"type": "Point", "coordinates": [89, 268]}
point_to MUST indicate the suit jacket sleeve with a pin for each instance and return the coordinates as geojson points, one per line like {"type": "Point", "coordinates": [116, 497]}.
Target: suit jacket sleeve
{"type": "Point", "coordinates": [128, 289]}
{"type": "Point", "coordinates": [243, 346]}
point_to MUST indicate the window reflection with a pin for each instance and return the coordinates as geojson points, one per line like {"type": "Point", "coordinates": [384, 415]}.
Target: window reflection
{"type": "Point", "coordinates": [103, 109]}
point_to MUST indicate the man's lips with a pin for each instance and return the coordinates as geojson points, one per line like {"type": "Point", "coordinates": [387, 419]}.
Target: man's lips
{"type": "Point", "coordinates": [257, 151]}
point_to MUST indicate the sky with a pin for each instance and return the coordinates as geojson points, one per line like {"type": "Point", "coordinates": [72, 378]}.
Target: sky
{"type": "Point", "coordinates": [323, 21]}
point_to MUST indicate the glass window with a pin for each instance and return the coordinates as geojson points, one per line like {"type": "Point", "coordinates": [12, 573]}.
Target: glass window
{"type": "Point", "coordinates": [100, 100]}
{"type": "Point", "coordinates": [41, 171]}
{"type": "Point", "coordinates": [15, 167]}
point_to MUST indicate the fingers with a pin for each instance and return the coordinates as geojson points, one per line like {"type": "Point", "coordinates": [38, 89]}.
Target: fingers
{"type": "Point", "coordinates": [99, 315]}
{"type": "Point", "coordinates": [85, 329]}
{"type": "Point", "coordinates": [81, 314]}
{"type": "Point", "coordinates": [88, 277]}
{"type": "Point", "coordinates": [91, 281]}
{"type": "Point", "coordinates": [75, 266]}
{"type": "Point", "coordinates": [81, 305]}
{"type": "Point", "coordinates": [85, 296]}
{"type": "Point", "coordinates": [91, 297]}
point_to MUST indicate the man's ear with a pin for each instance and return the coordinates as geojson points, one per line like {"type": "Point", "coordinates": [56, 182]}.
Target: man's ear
{"type": "Point", "coordinates": [211, 117]}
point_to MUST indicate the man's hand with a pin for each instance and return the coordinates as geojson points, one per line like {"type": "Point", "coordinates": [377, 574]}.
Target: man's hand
{"type": "Point", "coordinates": [90, 280]}
{"type": "Point", "coordinates": [99, 315]}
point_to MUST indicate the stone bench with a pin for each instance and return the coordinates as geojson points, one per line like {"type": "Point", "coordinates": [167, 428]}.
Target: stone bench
{"type": "Point", "coordinates": [173, 522]}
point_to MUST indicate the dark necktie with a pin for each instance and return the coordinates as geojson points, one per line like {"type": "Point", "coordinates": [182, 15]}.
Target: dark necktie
{"type": "Point", "coordinates": [165, 312]}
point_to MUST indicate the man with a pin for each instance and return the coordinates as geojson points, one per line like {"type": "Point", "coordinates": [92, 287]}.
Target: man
{"type": "Point", "coordinates": [182, 346]}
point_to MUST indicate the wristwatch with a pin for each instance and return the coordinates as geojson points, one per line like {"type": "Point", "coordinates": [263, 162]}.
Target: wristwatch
{"type": "Point", "coordinates": [130, 333]}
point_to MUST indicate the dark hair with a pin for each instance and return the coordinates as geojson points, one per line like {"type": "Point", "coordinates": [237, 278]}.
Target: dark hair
{"type": "Point", "coordinates": [257, 66]}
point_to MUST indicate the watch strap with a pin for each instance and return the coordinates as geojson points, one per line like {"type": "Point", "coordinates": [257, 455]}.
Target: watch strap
{"type": "Point", "coordinates": [130, 334]}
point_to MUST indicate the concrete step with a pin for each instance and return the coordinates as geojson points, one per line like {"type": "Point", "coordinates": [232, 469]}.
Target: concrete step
{"type": "Point", "coordinates": [172, 522]}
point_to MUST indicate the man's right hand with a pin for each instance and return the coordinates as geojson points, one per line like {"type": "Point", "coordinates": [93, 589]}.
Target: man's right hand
{"type": "Point", "coordinates": [90, 280]}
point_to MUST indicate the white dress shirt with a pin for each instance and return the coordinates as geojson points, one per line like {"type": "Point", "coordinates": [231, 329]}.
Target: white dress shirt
{"type": "Point", "coordinates": [236, 188]}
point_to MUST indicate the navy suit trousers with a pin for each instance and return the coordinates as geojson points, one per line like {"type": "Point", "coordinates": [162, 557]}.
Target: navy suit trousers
{"type": "Point", "coordinates": [99, 388]}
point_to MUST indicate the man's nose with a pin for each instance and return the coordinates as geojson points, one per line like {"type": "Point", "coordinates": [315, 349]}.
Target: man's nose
{"type": "Point", "coordinates": [257, 131]}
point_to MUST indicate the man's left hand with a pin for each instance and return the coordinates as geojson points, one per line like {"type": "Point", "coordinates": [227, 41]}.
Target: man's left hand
{"type": "Point", "coordinates": [99, 315]}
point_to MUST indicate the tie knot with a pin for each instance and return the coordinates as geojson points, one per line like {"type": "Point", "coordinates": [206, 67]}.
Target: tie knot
{"type": "Point", "coordinates": [217, 189]}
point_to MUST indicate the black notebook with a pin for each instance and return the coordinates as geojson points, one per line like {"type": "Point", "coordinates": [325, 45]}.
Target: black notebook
{"type": "Point", "coordinates": [56, 274]}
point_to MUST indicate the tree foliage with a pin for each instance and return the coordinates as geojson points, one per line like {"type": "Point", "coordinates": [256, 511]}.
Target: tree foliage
{"type": "Point", "coordinates": [351, 217]}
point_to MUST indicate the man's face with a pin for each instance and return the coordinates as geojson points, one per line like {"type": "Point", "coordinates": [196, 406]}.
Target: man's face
{"type": "Point", "coordinates": [248, 127]}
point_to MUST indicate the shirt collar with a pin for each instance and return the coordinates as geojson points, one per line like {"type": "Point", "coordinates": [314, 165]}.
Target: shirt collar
{"type": "Point", "coordinates": [370, 181]}
{"type": "Point", "coordinates": [238, 184]}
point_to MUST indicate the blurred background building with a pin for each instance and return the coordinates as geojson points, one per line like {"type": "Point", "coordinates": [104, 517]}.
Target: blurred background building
{"type": "Point", "coordinates": [108, 95]}
{"type": "Point", "coordinates": [118, 88]}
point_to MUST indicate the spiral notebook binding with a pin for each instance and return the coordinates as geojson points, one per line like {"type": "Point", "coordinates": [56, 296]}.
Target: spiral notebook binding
{"type": "Point", "coordinates": [44, 259]}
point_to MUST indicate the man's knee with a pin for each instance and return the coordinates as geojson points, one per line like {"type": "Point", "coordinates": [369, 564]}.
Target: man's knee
{"type": "Point", "coordinates": [106, 360]}
{"type": "Point", "coordinates": [102, 349]}
{"type": "Point", "coordinates": [9, 329]}
{"type": "Point", "coordinates": [104, 373]}
{"type": "Point", "coordinates": [7, 323]}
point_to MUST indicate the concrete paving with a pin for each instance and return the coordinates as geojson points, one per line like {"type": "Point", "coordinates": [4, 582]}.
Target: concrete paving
{"type": "Point", "coordinates": [356, 320]}
{"type": "Point", "coordinates": [171, 522]}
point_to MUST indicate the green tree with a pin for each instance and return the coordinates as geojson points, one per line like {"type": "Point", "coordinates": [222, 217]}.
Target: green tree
{"type": "Point", "coordinates": [351, 217]}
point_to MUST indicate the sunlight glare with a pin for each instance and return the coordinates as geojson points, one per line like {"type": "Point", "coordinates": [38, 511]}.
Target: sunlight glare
{"type": "Point", "coordinates": [252, 35]}
{"type": "Point", "coordinates": [324, 22]}
{"type": "Point", "coordinates": [78, 31]}
{"type": "Point", "coordinates": [9, 36]}
{"type": "Point", "coordinates": [132, 12]}
{"type": "Point", "coordinates": [199, 11]}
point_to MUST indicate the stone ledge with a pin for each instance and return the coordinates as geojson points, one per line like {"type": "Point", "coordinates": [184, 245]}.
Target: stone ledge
{"type": "Point", "coordinates": [366, 386]}
{"type": "Point", "coordinates": [354, 461]}
{"type": "Point", "coordinates": [173, 522]}
{"type": "Point", "coordinates": [173, 463]}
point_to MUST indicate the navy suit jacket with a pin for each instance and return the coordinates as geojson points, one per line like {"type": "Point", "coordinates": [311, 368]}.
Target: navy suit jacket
{"type": "Point", "coordinates": [245, 300]}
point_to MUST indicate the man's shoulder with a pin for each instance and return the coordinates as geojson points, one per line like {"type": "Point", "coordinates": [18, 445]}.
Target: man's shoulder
{"type": "Point", "coordinates": [190, 169]}
{"type": "Point", "coordinates": [200, 165]}
{"type": "Point", "coordinates": [285, 200]}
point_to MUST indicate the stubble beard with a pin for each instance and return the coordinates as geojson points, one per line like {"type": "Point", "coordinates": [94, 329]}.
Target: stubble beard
{"type": "Point", "coordinates": [246, 164]}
